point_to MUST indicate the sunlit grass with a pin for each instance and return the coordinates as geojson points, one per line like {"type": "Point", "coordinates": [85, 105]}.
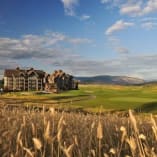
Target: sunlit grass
{"type": "Point", "coordinates": [91, 97]}
{"type": "Point", "coordinates": [28, 133]}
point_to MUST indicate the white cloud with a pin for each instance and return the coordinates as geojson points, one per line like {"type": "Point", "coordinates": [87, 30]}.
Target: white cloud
{"type": "Point", "coordinates": [142, 66]}
{"type": "Point", "coordinates": [6, 63]}
{"type": "Point", "coordinates": [37, 46]}
{"type": "Point", "coordinates": [105, 1]}
{"type": "Point", "coordinates": [147, 19]}
{"type": "Point", "coordinates": [133, 7]}
{"type": "Point", "coordinates": [149, 25]}
{"type": "Point", "coordinates": [50, 48]}
{"type": "Point", "coordinates": [15, 51]}
{"type": "Point", "coordinates": [113, 3]}
{"type": "Point", "coordinates": [80, 41]}
{"type": "Point", "coordinates": [69, 6]}
{"type": "Point", "coordinates": [150, 7]}
{"type": "Point", "coordinates": [118, 26]}
{"type": "Point", "coordinates": [31, 46]}
{"type": "Point", "coordinates": [130, 9]}
{"type": "Point", "coordinates": [70, 9]}
{"type": "Point", "coordinates": [85, 17]}
{"type": "Point", "coordinates": [140, 9]}
{"type": "Point", "coordinates": [122, 50]}
{"type": "Point", "coordinates": [116, 45]}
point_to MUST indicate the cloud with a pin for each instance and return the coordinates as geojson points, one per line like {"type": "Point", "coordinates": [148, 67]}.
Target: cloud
{"type": "Point", "coordinates": [69, 9]}
{"type": "Point", "coordinates": [13, 52]}
{"type": "Point", "coordinates": [37, 46]}
{"type": "Point", "coordinates": [133, 8]}
{"type": "Point", "coordinates": [47, 50]}
{"type": "Point", "coordinates": [150, 7]}
{"type": "Point", "coordinates": [80, 41]}
{"type": "Point", "coordinates": [147, 19]}
{"type": "Point", "coordinates": [69, 6]}
{"type": "Point", "coordinates": [6, 63]}
{"type": "Point", "coordinates": [140, 9]}
{"type": "Point", "coordinates": [85, 17]}
{"type": "Point", "coordinates": [141, 66]}
{"type": "Point", "coordinates": [116, 45]}
{"type": "Point", "coordinates": [105, 1]}
{"type": "Point", "coordinates": [149, 25]}
{"type": "Point", "coordinates": [122, 50]}
{"type": "Point", "coordinates": [118, 26]}
{"type": "Point", "coordinates": [29, 50]}
{"type": "Point", "coordinates": [130, 9]}
{"type": "Point", "coordinates": [113, 3]}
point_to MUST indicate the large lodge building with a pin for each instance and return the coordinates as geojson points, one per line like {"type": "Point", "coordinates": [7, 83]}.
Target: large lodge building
{"type": "Point", "coordinates": [37, 80]}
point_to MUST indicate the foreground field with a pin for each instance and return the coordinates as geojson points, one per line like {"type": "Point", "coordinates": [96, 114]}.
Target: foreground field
{"type": "Point", "coordinates": [52, 134]}
{"type": "Point", "coordinates": [91, 98]}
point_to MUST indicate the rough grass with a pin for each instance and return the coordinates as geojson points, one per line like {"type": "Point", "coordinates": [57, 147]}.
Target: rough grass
{"type": "Point", "coordinates": [53, 134]}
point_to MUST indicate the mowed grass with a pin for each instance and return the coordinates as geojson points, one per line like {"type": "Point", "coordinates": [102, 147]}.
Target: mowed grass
{"type": "Point", "coordinates": [108, 97]}
{"type": "Point", "coordinates": [94, 97]}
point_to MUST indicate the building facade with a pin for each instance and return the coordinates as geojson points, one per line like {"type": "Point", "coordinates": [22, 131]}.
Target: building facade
{"type": "Point", "coordinates": [36, 80]}
{"type": "Point", "coordinates": [60, 81]}
{"type": "Point", "coordinates": [23, 79]}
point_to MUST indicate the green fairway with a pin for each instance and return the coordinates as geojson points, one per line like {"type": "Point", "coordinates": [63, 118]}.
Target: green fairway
{"type": "Point", "coordinates": [93, 97]}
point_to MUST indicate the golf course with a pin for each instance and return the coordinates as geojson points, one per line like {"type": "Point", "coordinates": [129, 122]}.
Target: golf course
{"type": "Point", "coordinates": [90, 98]}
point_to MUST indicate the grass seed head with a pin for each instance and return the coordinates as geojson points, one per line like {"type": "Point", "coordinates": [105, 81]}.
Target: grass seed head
{"type": "Point", "coordinates": [52, 111]}
{"type": "Point", "coordinates": [93, 125]}
{"type": "Point", "coordinates": [112, 151]}
{"type": "Point", "coordinates": [28, 151]}
{"type": "Point", "coordinates": [60, 123]}
{"type": "Point", "coordinates": [47, 131]}
{"type": "Point", "coordinates": [33, 129]}
{"type": "Point", "coordinates": [59, 134]}
{"type": "Point", "coordinates": [132, 143]}
{"type": "Point", "coordinates": [93, 152]}
{"type": "Point", "coordinates": [122, 129]}
{"type": "Point", "coordinates": [37, 143]}
{"type": "Point", "coordinates": [106, 155]}
{"type": "Point", "coordinates": [99, 131]}
{"type": "Point", "coordinates": [133, 121]}
{"type": "Point", "coordinates": [142, 137]}
{"type": "Point", "coordinates": [18, 137]}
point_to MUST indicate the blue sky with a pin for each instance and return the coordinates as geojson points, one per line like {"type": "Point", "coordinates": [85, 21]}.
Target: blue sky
{"type": "Point", "coordinates": [82, 37]}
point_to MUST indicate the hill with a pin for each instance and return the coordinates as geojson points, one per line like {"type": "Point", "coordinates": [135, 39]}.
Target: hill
{"type": "Point", "coordinates": [106, 79]}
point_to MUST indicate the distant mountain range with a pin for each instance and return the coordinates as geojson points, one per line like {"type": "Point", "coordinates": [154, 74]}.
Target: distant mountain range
{"type": "Point", "coordinates": [107, 79]}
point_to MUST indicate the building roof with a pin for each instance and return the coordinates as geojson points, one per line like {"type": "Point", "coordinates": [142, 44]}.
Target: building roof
{"type": "Point", "coordinates": [18, 72]}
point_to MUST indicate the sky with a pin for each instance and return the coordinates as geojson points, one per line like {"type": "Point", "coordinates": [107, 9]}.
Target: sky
{"type": "Point", "coordinates": [81, 37]}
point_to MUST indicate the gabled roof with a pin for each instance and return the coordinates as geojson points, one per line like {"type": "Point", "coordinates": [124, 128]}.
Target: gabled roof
{"type": "Point", "coordinates": [11, 72]}
{"type": "Point", "coordinates": [17, 72]}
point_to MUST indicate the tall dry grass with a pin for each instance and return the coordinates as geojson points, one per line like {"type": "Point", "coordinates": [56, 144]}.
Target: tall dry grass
{"type": "Point", "coordinates": [53, 134]}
